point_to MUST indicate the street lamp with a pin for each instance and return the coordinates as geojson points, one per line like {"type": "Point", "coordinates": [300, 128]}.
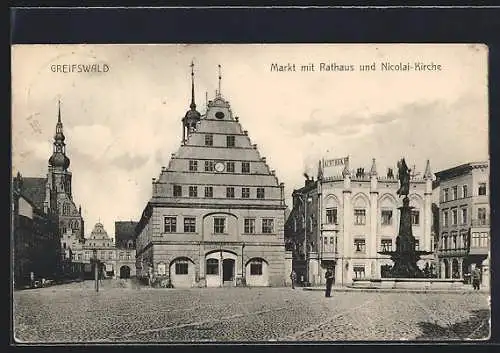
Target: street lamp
{"type": "Point", "coordinates": [306, 252]}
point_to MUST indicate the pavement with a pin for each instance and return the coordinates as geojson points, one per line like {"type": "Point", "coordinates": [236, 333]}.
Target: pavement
{"type": "Point", "coordinates": [75, 313]}
{"type": "Point", "coordinates": [462, 290]}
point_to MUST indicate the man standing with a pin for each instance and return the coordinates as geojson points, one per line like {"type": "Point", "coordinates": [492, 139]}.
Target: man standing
{"type": "Point", "coordinates": [293, 277]}
{"type": "Point", "coordinates": [329, 282]}
{"type": "Point", "coordinates": [476, 278]}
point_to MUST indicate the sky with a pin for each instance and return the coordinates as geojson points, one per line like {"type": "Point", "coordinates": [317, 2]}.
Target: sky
{"type": "Point", "coordinates": [121, 126]}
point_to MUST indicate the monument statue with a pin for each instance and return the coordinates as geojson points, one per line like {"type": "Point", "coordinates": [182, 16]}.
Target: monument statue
{"type": "Point", "coordinates": [404, 178]}
{"type": "Point", "coordinates": [405, 257]}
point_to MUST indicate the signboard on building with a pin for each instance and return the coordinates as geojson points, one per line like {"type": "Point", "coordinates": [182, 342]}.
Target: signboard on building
{"type": "Point", "coordinates": [335, 166]}
{"type": "Point", "coordinates": [162, 269]}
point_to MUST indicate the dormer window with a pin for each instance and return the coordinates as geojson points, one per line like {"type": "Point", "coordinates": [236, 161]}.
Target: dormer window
{"type": "Point", "coordinates": [230, 141]}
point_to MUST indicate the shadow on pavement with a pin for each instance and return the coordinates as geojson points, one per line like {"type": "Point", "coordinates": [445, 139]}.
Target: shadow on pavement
{"type": "Point", "coordinates": [477, 327]}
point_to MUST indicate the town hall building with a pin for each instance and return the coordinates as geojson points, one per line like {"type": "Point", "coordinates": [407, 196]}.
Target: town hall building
{"type": "Point", "coordinates": [216, 214]}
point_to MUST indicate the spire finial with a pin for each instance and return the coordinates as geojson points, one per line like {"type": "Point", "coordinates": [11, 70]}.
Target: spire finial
{"type": "Point", "coordinates": [373, 170]}
{"type": "Point", "coordinates": [193, 104]}
{"type": "Point", "coordinates": [428, 173]}
{"type": "Point", "coordinates": [220, 78]}
{"type": "Point", "coordinates": [59, 110]}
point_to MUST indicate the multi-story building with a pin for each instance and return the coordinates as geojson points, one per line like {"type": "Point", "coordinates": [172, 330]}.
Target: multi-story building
{"type": "Point", "coordinates": [115, 262]}
{"type": "Point", "coordinates": [35, 233]}
{"type": "Point", "coordinates": [350, 217]}
{"type": "Point", "coordinates": [464, 241]}
{"type": "Point", "coordinates": [216, 214]}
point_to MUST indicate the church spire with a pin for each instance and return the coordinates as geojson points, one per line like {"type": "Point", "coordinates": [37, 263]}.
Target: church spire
{"type": "Point", "coordinates": [193, 104]}
{"type": "Point", "coordinates": [220, 79]}
{"type": "Point", "coordinates": [320, 170]}
{"type": "Point", "coordinates": [58, 158]}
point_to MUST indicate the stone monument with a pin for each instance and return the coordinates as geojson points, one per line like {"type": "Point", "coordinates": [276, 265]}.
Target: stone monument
{"type": "Point", "coordinates": [405, 257]}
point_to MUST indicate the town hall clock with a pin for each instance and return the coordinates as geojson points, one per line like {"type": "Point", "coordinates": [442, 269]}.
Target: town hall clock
{"type": "Point", "coordinates": [219, 167]}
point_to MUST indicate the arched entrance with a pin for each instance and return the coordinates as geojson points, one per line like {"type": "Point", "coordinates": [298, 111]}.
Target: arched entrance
{"type": "Point", "coordinates": [220, 268]}
{"type": "Point", "coordinates": [257, 273]}
{"type": "Point", "coordinates": [182, 272]}
{"type": "Point", "coordinates": [124, 272]}
{"type": "Point", "coordinates": [446, 268]}
{"type": "Point", "coordinates": [454, 269]}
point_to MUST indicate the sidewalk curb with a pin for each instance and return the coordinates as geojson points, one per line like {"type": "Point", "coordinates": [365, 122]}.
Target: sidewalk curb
{"type": "Point", "coordinates": [397, 290]}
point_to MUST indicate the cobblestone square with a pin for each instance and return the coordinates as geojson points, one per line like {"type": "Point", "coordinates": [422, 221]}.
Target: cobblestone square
{"type": "Point", "coordinates": [76, 313]}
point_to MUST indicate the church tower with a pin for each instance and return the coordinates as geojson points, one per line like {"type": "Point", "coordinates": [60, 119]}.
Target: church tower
{"type": "Point", "coordinates": [58, 189]}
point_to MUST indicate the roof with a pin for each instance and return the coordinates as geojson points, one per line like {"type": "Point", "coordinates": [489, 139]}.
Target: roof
{"type": "Point", "coordinates": [460, 170]}
{"type": "Point", "coordinates": [34, 190]}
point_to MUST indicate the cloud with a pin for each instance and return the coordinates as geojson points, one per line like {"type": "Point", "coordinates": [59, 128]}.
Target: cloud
{"type": "Point", "coordinates": [127, 162]}
{"type": "Point", "coordinates": [321, 122]}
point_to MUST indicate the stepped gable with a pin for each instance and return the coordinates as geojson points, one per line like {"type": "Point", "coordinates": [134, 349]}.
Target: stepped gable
{"type": "Point", "coordinates": [220, 123]}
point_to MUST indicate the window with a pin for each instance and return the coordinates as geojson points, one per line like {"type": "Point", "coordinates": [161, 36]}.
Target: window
{"type": "Point", "coordinates": [64, 245]}
{"type": "Point", "coordinates": [359, 216]}
{"type": "Point", "coordinates": [386, 217]}
{"type": "Point", "coordinates": [181, 267]}
{"type": "Point", "coordinates": [189, 225]}
{"type": "Point", "coordinates": [209, 140]}
{"type": "Point", "coordinates": [245, 167]}
{"type": "Point", "coordinates": [455, 192]}
{"type": "Point", "coordinates": [193, 166]}
{"type": "Point", "coordinates": [417, 244]}
{"type": "Point", "coordinates": [481, 215]}
{"type": "Point", "coordinates": [415, 217]}
{"type": "Point", "coordinates": [267, 225]}
{"type": "Point", "coordinates": [219, 225]}
{"type": "Point", "coordinates": [245, 193]}
{"type": "Point", "coordinates": [230, 141]}
{"type": "Point", "coordinates": [249, 224]}
{"type": "Point", "coordinates": [359, 271]}
{"type": "Point", "coordinates": [209, 191]}
{"type": "Point", "coordinates": [170, 224]}
{"type": "Point", "coordinates": [110, 255]}
{"type": "Point", "coordinates": [128, 256]}
{"type": "Point", "coordinates": [230, 192]}
{"type": "Point", "coordinates": [445, 218]}
{"type": "Point", "coordinates": [121, 256]}
{"type": "Point", "coordinates": [445, 195]}
{"type": "Point", "coordinates": [331, 215]}
{"type": "Point", "coordinates": [464, 216]}
{"type": "Point", "coordinates": [256, 268]}
{"type": "Point", "coordinates": [386, 244]}
{"type": "Point", "coordinates": [464, 191]}
{"type": "Point", "coordinates": [482, 189]}
{"type": "Point", "coordinates": [230, 167]}
{"type": "Point", "coordinates": [66, 209]}
{"type": "Point", "coordinates": [177, 190]}
{"type": "Point", "coordinates": [209, 166]}
{"type": "Point", "coordinates": [260, 193]}
{"type": "Point", "coordinates": [454, 217]}
{"type": "Point", "coordinates": [212, 267]}
{"type": "Point", "coordinates": [359, 245]}
{"type": "Point", "coordinates": [193, 191]}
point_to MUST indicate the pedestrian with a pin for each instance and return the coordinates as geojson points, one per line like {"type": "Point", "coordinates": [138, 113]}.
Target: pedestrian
{"type": "Point", "coordinates": [32, 279]}
{"type": "Point", "coordinates": [476, 278]}
{"type": "Point", "coordinates": [293, 277]}
{"type": "Point", "coordinates": [302, 282]}
{"type": "Point", "coordinates": [329, 282]}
